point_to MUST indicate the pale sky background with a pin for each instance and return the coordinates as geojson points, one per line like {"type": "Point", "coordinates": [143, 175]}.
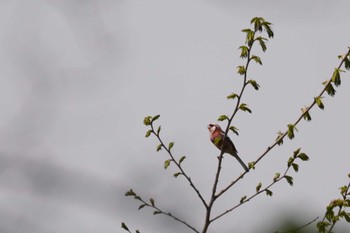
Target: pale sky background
{"type": "Point", "coordinates": [77, 78]}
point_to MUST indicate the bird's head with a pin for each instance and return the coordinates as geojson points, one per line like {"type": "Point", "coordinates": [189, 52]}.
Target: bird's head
{"type": "Point", "coordinates": [213, 128]}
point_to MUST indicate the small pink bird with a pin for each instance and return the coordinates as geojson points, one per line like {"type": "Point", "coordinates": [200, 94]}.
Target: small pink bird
{"type": "Point", "coordinates": [217, 136]}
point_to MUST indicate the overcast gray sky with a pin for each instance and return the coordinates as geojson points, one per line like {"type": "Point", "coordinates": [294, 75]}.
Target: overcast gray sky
{"type": "Point", "coordinates": [77, 78]}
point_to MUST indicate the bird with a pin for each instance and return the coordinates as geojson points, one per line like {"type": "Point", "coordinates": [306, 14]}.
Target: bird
{"type": "Point", "coordinates": [216, 137]}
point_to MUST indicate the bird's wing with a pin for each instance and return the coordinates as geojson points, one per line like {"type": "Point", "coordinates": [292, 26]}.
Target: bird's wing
{"type": "Point", "coordinates": [231, 144]}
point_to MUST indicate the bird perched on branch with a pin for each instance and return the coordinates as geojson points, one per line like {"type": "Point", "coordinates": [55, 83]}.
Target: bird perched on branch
{"type": "Point", "coordinates": [217, 137]}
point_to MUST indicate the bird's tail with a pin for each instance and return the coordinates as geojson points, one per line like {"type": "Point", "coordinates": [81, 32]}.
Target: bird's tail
{"type": "Point", "coordinates": [242, 163]}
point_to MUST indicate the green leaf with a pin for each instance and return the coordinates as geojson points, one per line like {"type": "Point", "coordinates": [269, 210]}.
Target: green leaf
{"type": "Point", "coordinates": [155, 118]}
{"type": "Point", "coordinates": [279, 138]}
{"type": "Point", "coordinates": [148, 133]}
{"type": "Point", "coordinates": [346, 216]}
{"type": "Point", "coordinates": [244, 108]}
{"type": "Point", "coordinates": [268, 29]}
{"type": "Point", "coordinates": [156, 212]}
{"type": "Point", "coordinates": [125, 227]}
{"type": "Point", "coordinates": [167, 163]}
{"type": "Point", "coordinates": [303, 157]}
{"type": "Point", "coordinates": [247, 30]}
{"type": "Point", "coordinates": [295, 167]}
{"type": "Point", "coordinates": [256, 59]}
{"type": "Point", "coordinates": [130, 193]}
{"type": "Point", "coordinates": [336, 77]}
{"type": "Point", "coordinates": [158, 130]}
{"type": "Point", "coordinates": [182, 159]}
{"type": "Point", "coordinates": [141, 206]}
{"type": "Point", "coordinates": [241, 70]}
{"type": "Point", "coordinates": [348, 200]}
{"type": "Point", "coordinates": [257, 24]}
{"type": "Point", "coordinates": [152, 201]}
{"type": "Point", "coordinates": [319, 102]}
{"type": "Point", "coordinates": [329, 214]}
{"type": "Point", "coordinates": [290, 132]}
{"type": "Point", "coordinates": [147, 120]}
{"type": "Point", "coordinates": [289, 180]}
{"type": "Point", "coordinates": [321, 226]}
{"type": "Point", "coordinates": [244, 51]}
{"type": "Point", "coordinates": [251, 165]}
{"type": "Point", "coordinates": [137, 231]}
{"type": "Point", "coordinates": [296, 152]}
{"type": "Point", "coordinates": [177, 174]}
{"type": "Point", "coordinates": [290, 161]}
{"type": "Point", "coordinates": [250, 38]}
{"type": "Point", "coordinates": [261, 41]}
{"type": "Point", "coordinates": [159, 147]}
{"type": "Point", "coordinates": [330, 89]}
{"type": "Point", "coordinates": [268, 193]}
{"type": "Point", "coordinates": [276, 177]}
{"type": "Point", "coordinates": [307, 116]}
{"type": "Point", "coordinates": [243, 199]}
{"type": "Point", "coordinates": [222, 118]}
{"type": "Point", "coordinates": [343, 190]}
{"type": "Point", "coordinates": [234, 129]}
{"type": "Point", "coordinates": [171, 144]}
{"type": "Point", "coordinates": [306, 113]}
{"type": "Point", "coordinates": [347, 63]}
{"type": "Point", "coordinates": [254, 84]}
{"type": "Point", "coordinates": [232, 96]}
{"type": "Point", "coordinates": [258, 187]}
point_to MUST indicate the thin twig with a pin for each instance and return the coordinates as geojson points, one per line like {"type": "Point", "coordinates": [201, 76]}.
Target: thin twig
{"type": "Point", "coordinates": [159, 211]}
{"type": "Point", "coordinates": [180, 168]}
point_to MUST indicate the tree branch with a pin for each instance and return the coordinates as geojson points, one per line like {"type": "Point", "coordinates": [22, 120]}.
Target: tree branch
{"type": "Point", "coordinates": [179, 166]}
{"type": "Point", "coordinates": [151, 204]}
{"type": "Point", "coordinates": [279, 140]}
{"type": "Point", "coordinates": [246, 53]}
{"type": "Point", "coordinates": [275, 180]}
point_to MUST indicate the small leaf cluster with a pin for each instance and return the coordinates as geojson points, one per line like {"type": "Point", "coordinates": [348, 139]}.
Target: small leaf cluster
{"type": "Point", "coordinates": [292, 164]}
{"type": "Point", "coordinates": [149, 121]}
{"type": "Point", "coordinates": [297, 155]}
{"type": "Point", "coordinates": [259, 25]}
{"type": "Point", "coordinates": [252, 35]}
{"type": "Point", "coordinates": [151, 202]}
{"type": "Point", "coordinates": [336, 210]}
{"type": "Point", "coordinates": [335, 79]}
